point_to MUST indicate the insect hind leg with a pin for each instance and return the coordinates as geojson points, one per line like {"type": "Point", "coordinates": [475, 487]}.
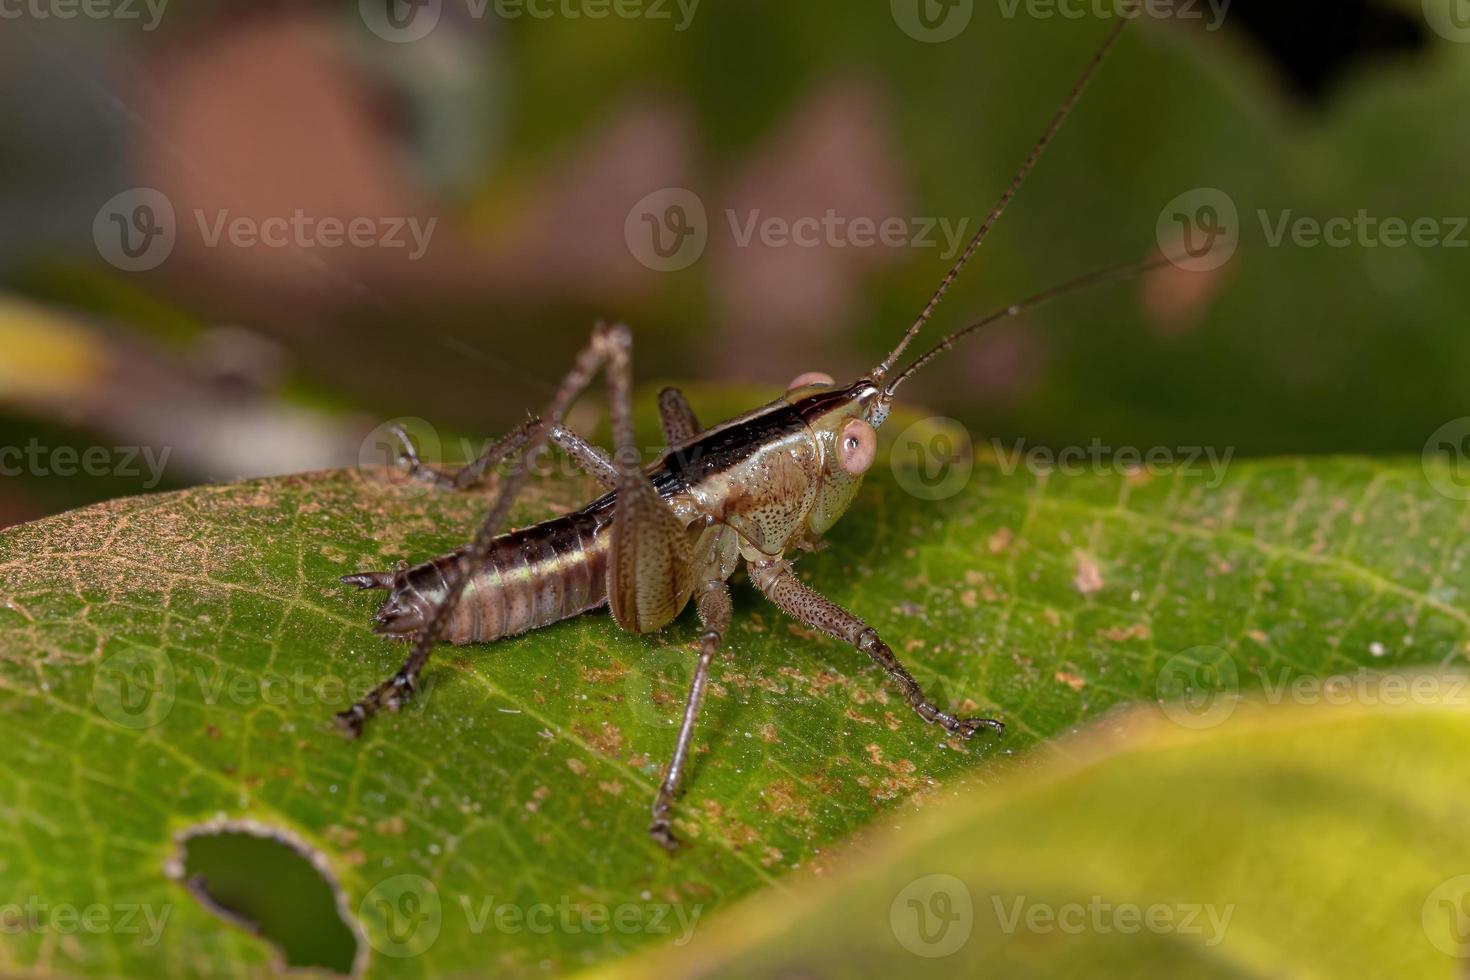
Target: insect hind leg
{"type": "Point", "coordinates": [608, 342]}
{"type": "Point", "coordinates": [592, 460]}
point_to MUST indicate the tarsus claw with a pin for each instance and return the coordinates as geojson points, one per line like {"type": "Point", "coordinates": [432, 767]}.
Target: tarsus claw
{"type": "Point", "coordinates": [350, 721]}
{"type": "Point", "coordinates": [968, 727]}
{"type": "Point", "coordinates": [664, 836]}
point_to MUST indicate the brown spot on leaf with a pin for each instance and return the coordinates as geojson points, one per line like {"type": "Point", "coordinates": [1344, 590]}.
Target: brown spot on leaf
{"type": "Point", "coordinates": [1089, 573]}
{"type": "Point", "coordinates": [1075, 681]}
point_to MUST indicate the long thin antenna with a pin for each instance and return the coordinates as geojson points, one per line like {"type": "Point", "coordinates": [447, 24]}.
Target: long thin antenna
{"type": "Point", "coordinates": [1005, 199]}
{"type": "Point", "coordinates": [1031, 302]}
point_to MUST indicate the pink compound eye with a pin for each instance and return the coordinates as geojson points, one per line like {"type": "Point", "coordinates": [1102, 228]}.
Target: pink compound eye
{"type": "Point", "coordinates": [810, 378]}
{"type": "Point", "coordinates": [856, 447]}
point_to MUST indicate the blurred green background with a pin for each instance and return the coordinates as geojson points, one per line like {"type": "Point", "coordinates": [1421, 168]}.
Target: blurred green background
{"type": "Point", "coordinates": [529, 142]}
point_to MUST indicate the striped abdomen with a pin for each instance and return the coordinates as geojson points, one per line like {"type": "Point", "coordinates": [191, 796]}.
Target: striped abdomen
{"type": "Point", "coordinates": [532, 577]}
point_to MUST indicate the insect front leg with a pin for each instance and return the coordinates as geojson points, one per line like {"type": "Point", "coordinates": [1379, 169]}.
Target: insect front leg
{"type": "Point", "coordinates": [592, 460]}
{"type": "Point", "coordinates": [609, 342]}
{"type": "Point", "coordinates": [680, 424]}
{"type": "Point", "coordinates": [780, 584]}
{"type": "Point", "coordinates": [713, 606]}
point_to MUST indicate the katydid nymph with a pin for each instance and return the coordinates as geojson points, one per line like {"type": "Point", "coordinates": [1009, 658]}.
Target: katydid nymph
{"type": "Point", "coordinates": [753, 489]}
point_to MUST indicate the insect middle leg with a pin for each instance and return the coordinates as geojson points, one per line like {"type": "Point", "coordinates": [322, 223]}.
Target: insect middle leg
{"type": "Point", "coordinates": [780, 584]}
{"type": "Point", "coordinates": [713, 605]}
{"type": "Point", "coordinates": [610, 342]}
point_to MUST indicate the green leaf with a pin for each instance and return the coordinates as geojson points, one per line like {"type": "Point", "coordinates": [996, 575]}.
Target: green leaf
{"type": "Point", "coordinates": [174, 661]}
{"type": "Point", "coordinates": [1323, 842]}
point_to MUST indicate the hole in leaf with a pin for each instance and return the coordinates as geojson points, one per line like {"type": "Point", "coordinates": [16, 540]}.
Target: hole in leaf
{"type": "Point", "coordinates": [272, 885]}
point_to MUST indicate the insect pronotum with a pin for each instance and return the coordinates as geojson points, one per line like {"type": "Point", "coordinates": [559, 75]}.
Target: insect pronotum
{"type": "Point", "coordinates": [752, 489]}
